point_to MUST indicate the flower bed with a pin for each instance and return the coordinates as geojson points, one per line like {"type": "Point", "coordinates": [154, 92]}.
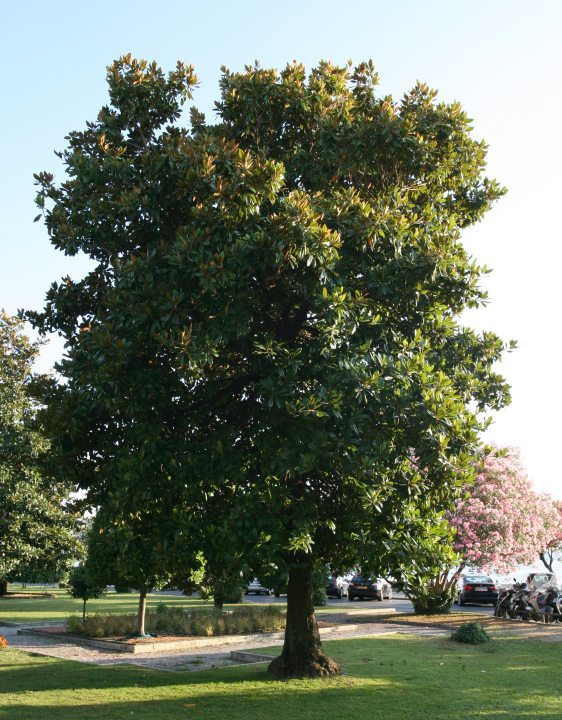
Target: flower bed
{"type": "Point", "coordinates": [26, 596]}
{"type": "Point", "coordinates": [175, 621]}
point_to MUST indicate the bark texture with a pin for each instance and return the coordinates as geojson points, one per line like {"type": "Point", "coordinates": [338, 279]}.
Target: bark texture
{"type": "Point", "coordinates": [84, 611]}
{"type": "Point", "coordinates": [142, 612]}
{"type": "Point", "coordinates": [3, 587]}
{"type": "Point", "coordinates": [302, 654]}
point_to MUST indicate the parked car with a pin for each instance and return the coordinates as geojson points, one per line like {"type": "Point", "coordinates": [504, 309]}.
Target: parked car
{"type": "Point", "coordinates": [476, 589]}
{"type": "Point", "coordinates": [337, 586]}
{"type": "Point", "coordinates": [256, 587]}
{"type": "Point", "coordinates": [361, 587]}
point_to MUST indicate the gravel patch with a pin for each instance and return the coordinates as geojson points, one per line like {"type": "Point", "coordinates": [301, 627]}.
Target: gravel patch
{"type": "Point", "coordinates": [203, 658]}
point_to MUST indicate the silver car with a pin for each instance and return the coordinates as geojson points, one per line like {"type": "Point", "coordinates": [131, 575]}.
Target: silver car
{"type": "Point", "coordinates": [369, 588]}
{"type": "Point", "coordinates": [256, 587]}
{"type": "Point", "coordinates": [337, 586]}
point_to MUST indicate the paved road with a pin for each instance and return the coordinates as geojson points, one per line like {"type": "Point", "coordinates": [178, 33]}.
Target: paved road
{"type": "Point", "coordinates": [398, 602]}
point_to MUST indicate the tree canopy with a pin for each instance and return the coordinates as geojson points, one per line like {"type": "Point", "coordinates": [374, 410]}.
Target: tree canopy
{"type": "Point", "coordinates": [270, 343]}
{"type": "Point", "coordinates": [38, 533]}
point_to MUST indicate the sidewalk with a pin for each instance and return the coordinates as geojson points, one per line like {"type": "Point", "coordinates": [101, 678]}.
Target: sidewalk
{"type": "Point", "coordinates": [181, 660]}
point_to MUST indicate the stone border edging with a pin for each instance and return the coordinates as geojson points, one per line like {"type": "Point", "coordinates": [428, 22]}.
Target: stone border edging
{"type": "Point", "coordinates": [117, 646]}
{"type": "Point", "coordinates": [248, 657]}
{"type": "Point", "coordinates": [23, 625]}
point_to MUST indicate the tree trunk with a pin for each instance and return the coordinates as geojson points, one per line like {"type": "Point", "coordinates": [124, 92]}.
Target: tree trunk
{"type": "Point", "coordinates": [219, 596]}
{"type": "Point", "coordinates": [84, 611]}
{"type": "Point", "coordinates": [302, 654]}
{"type": "Point", "coordinates": [141, 613]}
{"type": "Point", "coordinates": [545, 562]}
{"type": "Point", "coordinates": [3, 587]}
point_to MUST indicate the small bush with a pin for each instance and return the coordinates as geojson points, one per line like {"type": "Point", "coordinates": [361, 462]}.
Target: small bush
{"type": "Point", "coordinates": [320, 577]}
{"type": "Point", "coordinates": [175, 620]}
{"type": "Point", "coordinates": [319, 597]}
{"type": "Point", "coordinates": [234, 595]}
{"type": "Point", "coordinates": [74, 624]}
{"type": "Point", "coordinates": [471, 634]}
{"type": "Point", "coordinates": [3, 642]}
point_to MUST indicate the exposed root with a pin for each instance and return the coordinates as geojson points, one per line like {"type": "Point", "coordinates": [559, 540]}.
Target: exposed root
{"type": "Point", "coordinates": [312, 667]}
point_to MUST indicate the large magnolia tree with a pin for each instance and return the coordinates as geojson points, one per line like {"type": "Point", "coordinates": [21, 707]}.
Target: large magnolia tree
{"type": "Point", "coordinates": [271, 331]}
{"type": "Point", "coordinates": [39, 534]}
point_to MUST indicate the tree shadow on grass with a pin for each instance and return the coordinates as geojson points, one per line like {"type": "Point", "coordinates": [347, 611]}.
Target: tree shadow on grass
{"type": "Point", "coordinates": [391, 678]}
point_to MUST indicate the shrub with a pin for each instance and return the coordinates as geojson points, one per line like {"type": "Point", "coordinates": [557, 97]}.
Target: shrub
{"type": "Point", "coordinates": [234, 595]}
{"type": "Point", "coordinates": [471, 633]}
{"type": "Point", "coordinates": [122, 588]}
{"type": "Point", "coordinates": [320, 576]}
{"type": "Point", "coordinates": [434, 603]}
{"type": "Point", "coordinates": [3, 642]}
{"type": "Point", "coordinates": [175, 620]}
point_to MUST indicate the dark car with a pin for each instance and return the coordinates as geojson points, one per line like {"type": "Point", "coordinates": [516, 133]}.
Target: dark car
{"type": "Point", "coordinates": [476, 589]}
{"type": "Point", "coordinates": [337, 586]}
{"type": "Point", "coordinates": [361, 587]}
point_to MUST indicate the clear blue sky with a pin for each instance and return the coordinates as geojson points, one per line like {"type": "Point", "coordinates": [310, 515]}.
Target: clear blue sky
{"type": "Point", "coordinates": [500, 59]}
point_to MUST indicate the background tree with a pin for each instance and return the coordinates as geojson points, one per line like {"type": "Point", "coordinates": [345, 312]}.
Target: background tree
{"type": "Point", "coordinates": [502, 523]}
{"type": "Point", "coordinates": [271, 330]}
{"type": "Point", "coordinates": [38, 530]}
{"type": "Point", "coordinates": [124, 550]}
{"type": "Point", "coordinates": [82, 587]}
{"type": "Point", "coordinates": [44, 570]}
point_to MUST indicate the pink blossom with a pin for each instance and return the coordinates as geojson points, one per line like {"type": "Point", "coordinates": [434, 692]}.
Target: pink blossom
{"type": "Point", "coordinates": [504, 523]}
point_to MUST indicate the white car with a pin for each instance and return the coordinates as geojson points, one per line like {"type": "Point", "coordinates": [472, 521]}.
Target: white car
{"type": "Point", "coordinates": [256, 587]}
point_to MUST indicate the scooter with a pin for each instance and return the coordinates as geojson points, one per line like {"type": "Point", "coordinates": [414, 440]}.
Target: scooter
{"type": "Point", "coordinates": [544, 604]}
{"type": "Point", "coordinates": [511, 600]}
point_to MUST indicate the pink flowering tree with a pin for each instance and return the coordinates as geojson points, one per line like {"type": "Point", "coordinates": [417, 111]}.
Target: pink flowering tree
{"type": "Point", "coordinates": [502, 522]}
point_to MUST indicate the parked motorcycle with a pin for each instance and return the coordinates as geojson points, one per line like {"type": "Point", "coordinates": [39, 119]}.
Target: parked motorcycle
{"type": "Point", "coordinates": [510, 600]}
{"type": "Point", "coordinates": [543, 600]}
{"type": "Point", "coordinates": [538, 599]}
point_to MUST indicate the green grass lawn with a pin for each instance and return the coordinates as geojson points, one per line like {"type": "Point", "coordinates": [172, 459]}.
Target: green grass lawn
{"type": "Point", "coordinates": [44, 609]}
{"type": "Point", "coordinates": [400, 677]}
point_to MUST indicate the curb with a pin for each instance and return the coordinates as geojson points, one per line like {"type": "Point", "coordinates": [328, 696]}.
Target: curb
{"type": "Point", "coordinates": [5, 623]}
{"type": "Point", "coordinates": [187, 644]}
{"type": "Point", "coordinates": [248, 657]}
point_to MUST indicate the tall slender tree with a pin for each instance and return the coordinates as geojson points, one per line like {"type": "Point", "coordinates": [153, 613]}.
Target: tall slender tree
{"type": "Point", "coordinates": [271, 332]}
